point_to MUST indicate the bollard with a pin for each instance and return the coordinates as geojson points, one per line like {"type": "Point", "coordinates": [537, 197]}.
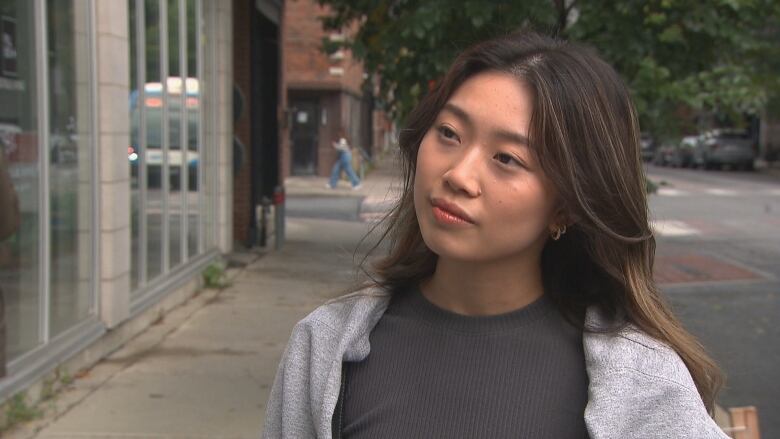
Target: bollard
{"type": "Point", "coordinates": [262, 212]}
{"type": "Point", "coordinates": [279, 216]}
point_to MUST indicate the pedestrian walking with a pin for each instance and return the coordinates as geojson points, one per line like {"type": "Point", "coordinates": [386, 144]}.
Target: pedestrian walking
{"type": "Point", "coordinates": [516, 297]}
{"type": "Point", "coordinates": [343, 163]}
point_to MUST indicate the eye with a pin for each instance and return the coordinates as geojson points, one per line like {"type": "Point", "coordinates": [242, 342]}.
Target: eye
{"type": "Point", "coordinates": [508, 160]}
{"type": "Point", "coordinates": [448, 133]}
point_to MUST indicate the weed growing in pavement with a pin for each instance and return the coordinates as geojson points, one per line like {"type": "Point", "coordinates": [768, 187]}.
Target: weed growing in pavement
{"type": "Point", "coordinates": [47, 390]}
{"type": "Point", "coordinates": [65, 378]}
{"type": "Point", "coordinates": [214, 276]}
{"type": "Point", "coordinates": [17, 411]}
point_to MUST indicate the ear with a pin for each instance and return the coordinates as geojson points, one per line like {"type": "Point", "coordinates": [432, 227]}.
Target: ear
{"type": "Point", "coordinates": [562, 217]}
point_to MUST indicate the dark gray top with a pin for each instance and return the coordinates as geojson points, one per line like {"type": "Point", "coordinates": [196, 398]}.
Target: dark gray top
{"type": "Point", "coordinates": [434, 373]}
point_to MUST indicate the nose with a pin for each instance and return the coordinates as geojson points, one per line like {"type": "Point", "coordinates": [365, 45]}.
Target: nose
{"type": "Point", "coordinates": [463, 175]}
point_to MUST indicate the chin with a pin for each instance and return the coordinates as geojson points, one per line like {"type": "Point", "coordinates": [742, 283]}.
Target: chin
{"type": "Point", "coordinates": [451, 248]}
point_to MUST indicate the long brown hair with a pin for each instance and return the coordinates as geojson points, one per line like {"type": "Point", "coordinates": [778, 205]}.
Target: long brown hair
{"type": "Point", "coordinates": [585, 133]}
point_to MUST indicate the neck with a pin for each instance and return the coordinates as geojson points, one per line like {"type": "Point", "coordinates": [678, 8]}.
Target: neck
{"type": "Point", "coordinates": [474, 289]}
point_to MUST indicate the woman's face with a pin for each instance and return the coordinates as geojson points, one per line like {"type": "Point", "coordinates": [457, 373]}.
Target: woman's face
{"type": "Point", "coordinates": [475, 160]}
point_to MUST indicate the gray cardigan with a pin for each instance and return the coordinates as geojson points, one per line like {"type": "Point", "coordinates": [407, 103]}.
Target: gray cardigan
{"type": "Point", "coordinates": [638, 387]}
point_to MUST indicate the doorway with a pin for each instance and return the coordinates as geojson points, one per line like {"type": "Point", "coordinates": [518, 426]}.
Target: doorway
{"type": "Point", "coordinates": [304, 136]}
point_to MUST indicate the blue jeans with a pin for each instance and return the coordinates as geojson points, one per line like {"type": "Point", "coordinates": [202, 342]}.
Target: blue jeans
{"type": "Point", "coordinates": [343, 163]}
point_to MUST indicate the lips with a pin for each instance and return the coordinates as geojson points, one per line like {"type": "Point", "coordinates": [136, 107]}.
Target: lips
{"type": "Point", "coordinates": [452, 209]}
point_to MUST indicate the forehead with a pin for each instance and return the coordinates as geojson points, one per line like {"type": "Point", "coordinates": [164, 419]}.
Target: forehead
{"type": "Point", "coordinates": [495, 100]}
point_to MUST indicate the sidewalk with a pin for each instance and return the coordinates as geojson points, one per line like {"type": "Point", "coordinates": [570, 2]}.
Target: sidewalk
{"type": "Point", "coordinates": [205, 370]}
{"type": "Point", "coordinates": [382, 184]}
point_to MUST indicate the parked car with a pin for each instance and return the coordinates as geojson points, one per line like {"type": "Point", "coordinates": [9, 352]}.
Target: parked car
{"type": "Point", "coordinates": [647, 144]}
{"type": "Point", "coordinates": [664, 153]}
{"type": "Point", "coordinates": [725, 147]}
{"type": "Point", "coordinates": [682, 153]}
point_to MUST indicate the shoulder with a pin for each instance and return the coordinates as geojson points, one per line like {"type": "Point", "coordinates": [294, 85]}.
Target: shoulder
{"type": "Point", "coordinates": [340, 326]}
{"type": "Point", "coordinates": [632, 350]}
{"type": "Point", "coordinates": [338, 314]}
{"type": "Point", "coordinates": [640, 387]}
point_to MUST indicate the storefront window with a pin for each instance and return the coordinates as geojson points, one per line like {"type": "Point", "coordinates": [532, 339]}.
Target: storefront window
{"type": "Point", "coordinates": [70, 164]}
{"type": "Point", "coordinates": [153, 157]}
{"type": "Point", "coordinates": [134, 150]}
{"type": "Point", "coordinates": [20, 258]}
{"type": "Point", "coordinates": [165, 203]}
{"type": "Point", "coordinates": [193, 129]}
{"type": "Point", "coordinates": [176, 154]}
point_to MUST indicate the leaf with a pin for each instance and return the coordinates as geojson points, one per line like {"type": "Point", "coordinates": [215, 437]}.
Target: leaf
{"type": "Point", "coordinates": [672, 34]}
{"type": "Point", "coordinates": [705, 55]}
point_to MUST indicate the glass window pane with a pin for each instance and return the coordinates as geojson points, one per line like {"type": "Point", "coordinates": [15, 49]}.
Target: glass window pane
{"type": "Point", "coordinates": [133, 152]}
{"type": "Point", "coordinates": [70, 164]}
{"type": "Point", "coordinates": [19, 255]}
{"type": "Point", "coordinates": [208, 70]}
{"type": "Point", "coordinates": [153, 157]}
{"type": "Point", "coordinates": [175, 154]}
{"type": "Point", "coordinates": [193, 129]}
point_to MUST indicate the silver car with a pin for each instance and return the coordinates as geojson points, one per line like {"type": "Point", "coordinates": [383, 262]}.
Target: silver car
{"type": "Point", "coordinates": [724, 147]}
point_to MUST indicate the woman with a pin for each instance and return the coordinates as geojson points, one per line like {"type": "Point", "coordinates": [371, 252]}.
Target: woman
{"type": "Point", "coordinates": [343, 163]}
{"type": "Point", "coordinates": [517, 297]}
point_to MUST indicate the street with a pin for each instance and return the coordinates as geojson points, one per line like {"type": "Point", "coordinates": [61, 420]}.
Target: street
{"type": "Point", "coordinates": [718, 260]}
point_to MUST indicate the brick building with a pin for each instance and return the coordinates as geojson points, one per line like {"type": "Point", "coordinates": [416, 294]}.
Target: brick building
{"type": "Point", "coordinates": [290, 100]}
{"type": "Point", "coordinates": [256, 103]}
{"type": "Point", "coordinates": [322, 94]}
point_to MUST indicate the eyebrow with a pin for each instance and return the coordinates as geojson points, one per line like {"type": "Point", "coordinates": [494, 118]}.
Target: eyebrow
{"type": "Point", "coordinates": [510, 136]}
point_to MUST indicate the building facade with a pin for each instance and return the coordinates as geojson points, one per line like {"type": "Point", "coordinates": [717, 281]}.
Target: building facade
{"type": "Point", "coordinates": [323, 94]}
{"type": "Point", "coordinates": [116, 125]}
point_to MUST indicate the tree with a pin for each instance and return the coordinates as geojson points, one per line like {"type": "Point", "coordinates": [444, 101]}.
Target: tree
{"type": "Point", "coordinates": [708, 55]}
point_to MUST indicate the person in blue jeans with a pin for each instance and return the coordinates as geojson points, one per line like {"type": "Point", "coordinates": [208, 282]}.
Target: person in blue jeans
{"type": "Point", "coordinates": [344, 163]}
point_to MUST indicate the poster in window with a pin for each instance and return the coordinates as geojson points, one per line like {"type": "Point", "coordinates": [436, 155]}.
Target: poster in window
{"type": "Point", "coordinates": [8, 47]}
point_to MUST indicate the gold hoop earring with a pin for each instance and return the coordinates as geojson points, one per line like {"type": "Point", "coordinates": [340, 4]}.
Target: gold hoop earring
{"type": "Point", "coordinates": [556, 235]}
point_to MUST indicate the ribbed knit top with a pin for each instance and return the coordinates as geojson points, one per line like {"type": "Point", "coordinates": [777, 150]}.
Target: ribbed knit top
{"type": "Point", "coordinates": [434, 373]}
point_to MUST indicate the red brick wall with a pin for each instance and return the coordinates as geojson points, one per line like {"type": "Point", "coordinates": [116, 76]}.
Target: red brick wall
{"type": "Point", "coordinates": [305, 64]}
{"type": "Point", "coordinates": [307, 69]}
{"type": "Point", "coordinates": [242, 56]}
{"type": "Point", "coordinates": [327, 154]}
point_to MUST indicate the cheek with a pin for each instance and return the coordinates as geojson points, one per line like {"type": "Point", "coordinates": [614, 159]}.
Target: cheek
{"type": "Point", "coordinates": [523, 210]}
{"type": "Point", "coordinates": [424, 171]}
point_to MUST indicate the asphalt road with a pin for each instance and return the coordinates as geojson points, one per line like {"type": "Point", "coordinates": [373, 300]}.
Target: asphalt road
{"type": "Point", "coordinates": [732, 218]}
{"type": "Point", "coordinates": [718, 236]}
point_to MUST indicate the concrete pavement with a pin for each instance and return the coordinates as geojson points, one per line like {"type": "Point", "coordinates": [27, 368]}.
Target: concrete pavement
{"type": "Point", "coordinates": [205, 369]}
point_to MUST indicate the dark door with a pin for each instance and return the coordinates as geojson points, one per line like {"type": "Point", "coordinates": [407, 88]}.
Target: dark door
{"type": "Point", "coordinates": [304, 137]}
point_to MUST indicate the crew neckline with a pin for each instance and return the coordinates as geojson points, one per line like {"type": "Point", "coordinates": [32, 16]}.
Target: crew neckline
{"type": "Point", "coordinates": [447, 320]}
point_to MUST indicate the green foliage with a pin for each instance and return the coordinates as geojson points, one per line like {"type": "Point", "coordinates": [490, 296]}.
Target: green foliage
{"type": "Point", "coordinates": [17, 411]}
{"type": "Point", "coordinates": [214, 276]}
{"type": "Point", "coordinates": [47, 390]}
{"type": "Point", "coordinates": [712, 56]}
{"type": "Point", "coordinates": [65, 378]}
{"type": "Point", "coordinates": [650, 186]}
